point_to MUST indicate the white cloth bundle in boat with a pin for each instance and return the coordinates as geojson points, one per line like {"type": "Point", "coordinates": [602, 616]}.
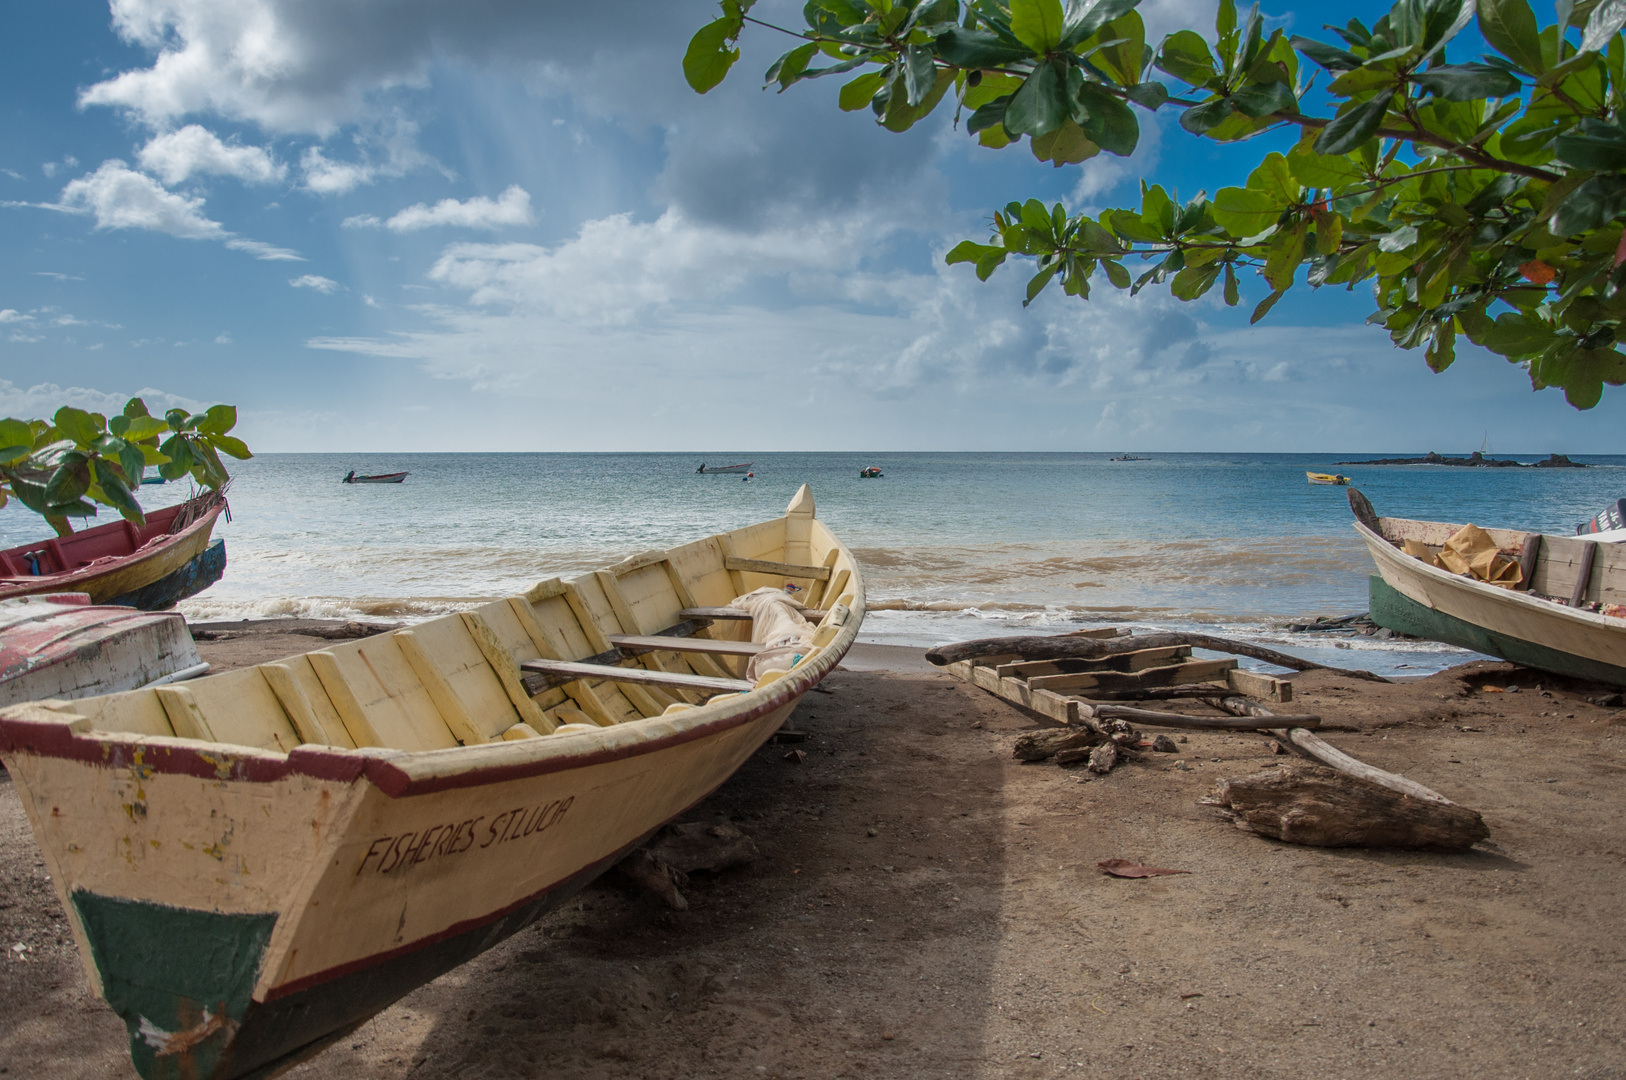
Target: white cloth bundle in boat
{"type": "Point", "coordinates": [777, 623]}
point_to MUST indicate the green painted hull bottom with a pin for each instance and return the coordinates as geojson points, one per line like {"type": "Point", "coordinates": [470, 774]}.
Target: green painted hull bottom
{"type": "Point", "coordinates": [1404, 615]}
{"type": "Point", "coordinates": [169, 971]}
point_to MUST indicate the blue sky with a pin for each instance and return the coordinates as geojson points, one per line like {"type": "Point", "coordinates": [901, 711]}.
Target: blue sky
{"type": "Point", "coordinates": [504, 225]}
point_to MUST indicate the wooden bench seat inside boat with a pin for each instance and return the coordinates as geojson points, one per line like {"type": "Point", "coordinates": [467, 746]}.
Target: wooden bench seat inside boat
{"type": "Point", "coordinates": [616, 645]}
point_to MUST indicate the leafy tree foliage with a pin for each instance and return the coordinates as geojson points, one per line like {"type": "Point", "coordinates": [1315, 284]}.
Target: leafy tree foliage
{"type": "Point", "coordinates": [62, 467]}
{"type": "Point", "coordinates": [1481, 199]}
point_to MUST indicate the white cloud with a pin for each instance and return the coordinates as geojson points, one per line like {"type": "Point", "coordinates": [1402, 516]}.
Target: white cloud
{"type": "Point", "coordinates": [223, 339]}
{"type": "Point", "coordinates": [13, 173]}
{"type": "Point", "coordinates": [58, 276]}
{"type": "Point", "coordinates": [13, 315]}
{"type": "Point", "coordinates": [315, 281]}
{"type": "Point", "coordinates": [176, 155]}
{"type": "Point", "coordinates": [512, 207]}
{"type": "Point", "coordinates": [327, 177]}
{"type": "Point", "coordinates": [44, 399]}
{"type": "Point", "coordinates": [120, 198]}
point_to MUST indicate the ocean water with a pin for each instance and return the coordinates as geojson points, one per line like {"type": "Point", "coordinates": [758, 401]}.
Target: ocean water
{"type": "Point", "coordinates": [954, 545]}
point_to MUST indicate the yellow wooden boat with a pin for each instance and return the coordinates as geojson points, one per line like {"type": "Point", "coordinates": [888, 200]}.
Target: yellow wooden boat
{"type": "Point", "coordinates": [256, 862]}
{"type": "Point", "coordinates": [1327, 478]}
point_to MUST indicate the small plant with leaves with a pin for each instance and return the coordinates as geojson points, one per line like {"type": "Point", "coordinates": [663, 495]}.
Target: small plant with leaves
{"type": "Point", "coordinates": [63, 467]}
{"type": "Point", "coordinates": [1482, 199]}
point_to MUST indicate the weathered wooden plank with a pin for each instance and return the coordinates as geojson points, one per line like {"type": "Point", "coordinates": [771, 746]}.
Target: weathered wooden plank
{"type": "Point", "coordinates": [633, 644]}
{"type": "Point", "coordinates": [987, 678]}
{"type": "Point", "coordinates": [1252, 684]}
{"type": "Point", "coordinates": [1130, 661]}
{"type": "Point", "coordinates": [545, 590]}
{"type": "Point", "coordinates": [812, 615]}
{"type": "Point", "coordinates": [815, 592]}
{"type": "Point", "coordinates": [184, 715]}
{"type": "Point", "coordinates": [579, 692]}
{"type": "Point", "coordinates": [1014, 690]}
{"type": "Point", "coordinates": [452, 710]}
{"type": "Point", "coordinates": [343, 696]}
{"type": "Point", "coordinates": [565, 670]}
{"type": "Point", "coordinates": [1051, 704]}
{"type": "Point", "coordinates": [502, 662]}
{"type": "Point", "coordinates": [286, 689]}
{"type": "Point", "coordinates": [1196, 671]}
{"type": "Point", "coordinates": [637, 697]}
{"type": "Point", "coordinates": [725, 544]}
{"type": "Point", "coordinates": [777, 569]}
{"type": "Point", "coordinates": [624, 615]}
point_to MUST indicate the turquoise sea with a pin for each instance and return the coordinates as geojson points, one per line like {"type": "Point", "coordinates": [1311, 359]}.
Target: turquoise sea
{"type": "Point", "coordinates": [955, 545]}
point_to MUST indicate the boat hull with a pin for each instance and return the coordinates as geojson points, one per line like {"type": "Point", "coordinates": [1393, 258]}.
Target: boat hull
{"type": "Point", "coordinates": [1461, 611]}
{"type": "Point", "coordinates": [126, 574]}
{"type": "Point", "coordinates": [1393, 609]}
{"type": "Point", "coordinates": [240, 906]}
{"type": "Point", "coordinates": [53, 650]}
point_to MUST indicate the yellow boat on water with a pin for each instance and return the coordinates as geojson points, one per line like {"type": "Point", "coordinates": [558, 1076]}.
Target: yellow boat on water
{"type": "Point", "coordinates": [255, 863]}
{"type": "Point", "coordinates": [1327, 478]}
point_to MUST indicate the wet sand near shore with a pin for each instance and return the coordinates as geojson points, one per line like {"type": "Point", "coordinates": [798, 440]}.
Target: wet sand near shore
{"type": "Point", "coordinates": [926, 906]}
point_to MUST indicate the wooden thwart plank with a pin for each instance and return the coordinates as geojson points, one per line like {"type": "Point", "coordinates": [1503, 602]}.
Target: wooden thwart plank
{"type": "Point", "coordinates": [567, 670]}
{"type": "Point", "coordinates": [812, 615]}
{"type": "Point", "coordinates": [776, 569]}
{"type": "Point", "coordinates": [635, 643]}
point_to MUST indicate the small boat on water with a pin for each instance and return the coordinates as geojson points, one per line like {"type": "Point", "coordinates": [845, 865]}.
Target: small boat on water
{"type": "Point", "coordinates": [255, 862]}
{"type": "Point", "coordinates": [743, 466]}
{"type": "Point", "coordinates": [1560, 605]}
{"type": "Point", "coordinates": [380, 478]}
{"type": "Point", "coordinates": [1328, 478]}
{"type": "Point", "coordinates": [113, 563]}
{"type": "Point", "coordinates": [870, 473]}
{"type": "Point", "coordinates": [62, 646]}
{"type": "Point", "coordinates": [1126, 457]}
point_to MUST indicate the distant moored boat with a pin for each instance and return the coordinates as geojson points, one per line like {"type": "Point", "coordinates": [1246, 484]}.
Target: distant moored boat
{"type": "Point", "coordinates": [381, 478]}
{"type": "Point", "coordinates": [741, 467]}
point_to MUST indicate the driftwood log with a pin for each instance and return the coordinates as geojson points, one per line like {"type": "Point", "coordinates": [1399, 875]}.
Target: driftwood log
{"type": "Point", "coordinates": [1048, 742]}
{"type": "Point", "coordinates": [1311, 804]}
{"type": "Point", "coordinates": [1055, 647]}
{"type": "Point", "coordinates": [1326, 753]}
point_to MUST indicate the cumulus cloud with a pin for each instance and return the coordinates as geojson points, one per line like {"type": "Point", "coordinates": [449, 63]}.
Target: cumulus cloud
{"type": "Point", "coordinates": [512, 207]}
{"type": "Point", "coordinates": [121, 198]}
{"type": "Point", "coordinates": [193, 150]}
{"type": "Point", "coordinates": [118, 197]}
{"type": "Point", "coordinates": [9, 315]}
{"type": "Point", "coordinates": [327, 177]}
{"type": "Point", "coordinates": [43, 399]}
{"type": "Point", "coordinates": [315, 281]}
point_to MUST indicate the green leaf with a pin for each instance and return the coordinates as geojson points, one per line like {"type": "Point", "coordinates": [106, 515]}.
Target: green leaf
{"type": "Point", "coordinates": [118, 425]}
{"type": "Point", "coordinates": [82, 427]}
{"type": "Point", "coordinates": [1598, 147]}
{"type": "Point", "coordinates": [919, 74]}
{"type": "Point", "coordinates": [1264, 307]}
{"type": "Point", "coordinates": [1067, 145]}
{"type": "Point", "coordinates": [143, 428]}
{"type": "Point", "coordinates": [1125, 59]}
{"type": "Point", "coordinates": [117, 494]}
{"type": "Point", "coordinates": [990, 115]}
{"type": "Point", "coordinates": [1084, 19]}
{"type": "Point", "coordinates": [16, 432]}
{"type": "Point", "coordinates": [1353, 127]}
{"type": "Point", "coordinates": [1333, 59]}
{"type": "Point", "coordinates": [1040, 106]}
{"type": "Point", "coordinates": [1037, 283]}
{"type": "Point", "coordinates": [1442, 349]}
{"type": "Point", "coordinates": [1185, 55]}
{"type": "Point", "coordinates": [857, 94]}
{"type": "Point", "coordinates": [1131, 226]}
{"type": "Point", "coordinates": [1322, 170]}
{"type": "Point", "coordinates": [969, 251]}
{"type": "Point", "coordinates": [176, 419]}
{"type": "Point", "coordinates": [1205, 117]}
{"type": "Point", "coordinates": [979, 49]}
{"type": "Point", "coordinates": [1265, 99]}
{"type": "Point", "coordinates": [789, 67]}
{"type": "Point", "coordinates": [179, 452]}
{"type": "Point", "coordinates": [1510, 28]}
{"type": "Point", "coordinates": [1194, 281]}
{"type": "Point", "coordinates": [1107, 121]}
{"type": "Point", "coordinates": [1589, 206]}
{"type": "Point", "coordinates": [70, 480]}
{"type": "Point", "coordinates": [132, 461]}
{"type": "Point", "coordinates": [1606, 21]}
{"type": "Point", "coordinates": [1245, 212]}
{"type": "Point", "coordinates": [218, 420]}
{"type": "Point", "coordinates": [1037, 23]}
{"type": "Point", "coordinates": [1232, 296]}
{"type": "Point", "coordinates": [708, 58]}
{"type": "Point", "coordinates": [1275, 178]}
{"type": "Point", "coordinates": [1116, 273]}
{"type": "Point", "coordinates": [1149, 95]}
{"type": "Point", "coordinates": [1467, 82]}
{"type": "Point", "coordinates": [1283, 256]}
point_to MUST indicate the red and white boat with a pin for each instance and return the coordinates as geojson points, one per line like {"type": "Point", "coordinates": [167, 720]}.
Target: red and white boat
{"type": "Point", "coordinates": [62, 646]}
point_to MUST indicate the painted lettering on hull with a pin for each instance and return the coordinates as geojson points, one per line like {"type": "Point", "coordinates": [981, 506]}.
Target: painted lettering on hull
{"type": "Point", "coordinates": [397, 853]}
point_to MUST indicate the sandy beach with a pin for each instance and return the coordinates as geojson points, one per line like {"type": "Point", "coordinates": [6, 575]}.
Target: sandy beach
{"type": "Point", "coordinates": [924, 905]}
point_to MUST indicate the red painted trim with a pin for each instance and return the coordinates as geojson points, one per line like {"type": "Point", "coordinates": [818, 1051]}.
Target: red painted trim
{"type": "Point", "coordinates": [209, 761]}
